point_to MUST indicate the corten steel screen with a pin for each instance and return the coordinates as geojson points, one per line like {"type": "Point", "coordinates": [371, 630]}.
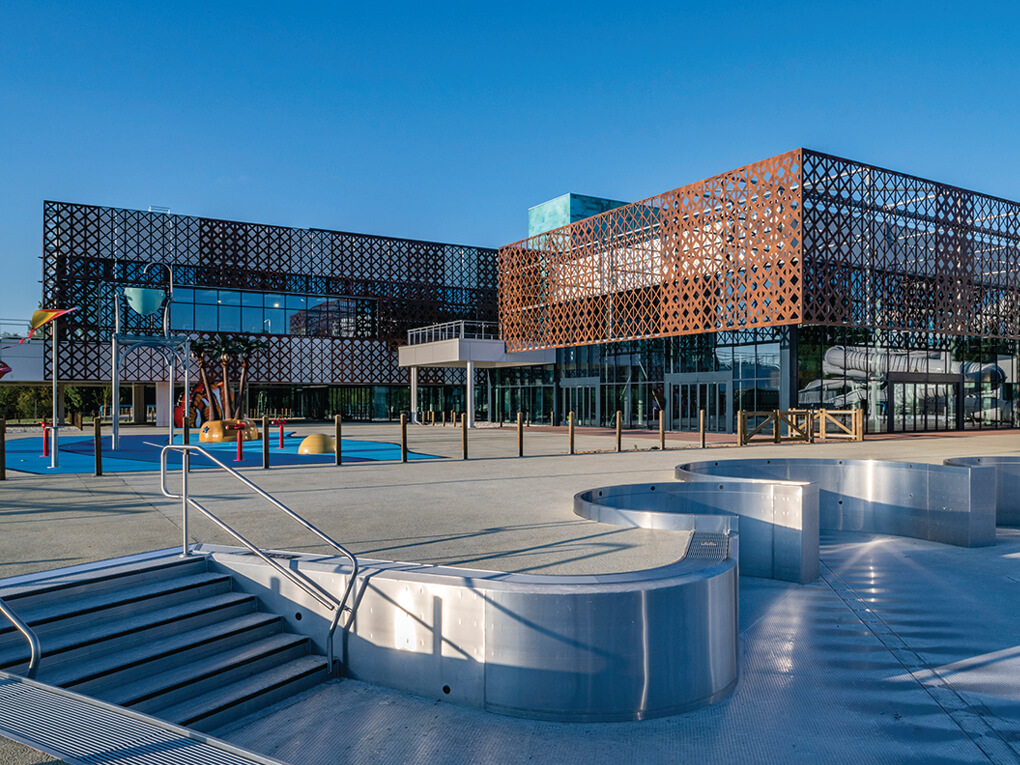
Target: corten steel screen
{"type": "Point", "coordinates": [89, 251]}
{"type": "Point", "coordinates": [721, 254]}
{"type": "Point", "coordinates": [801, 238]}
{"type": "Point", "coordinates": [886, 250]}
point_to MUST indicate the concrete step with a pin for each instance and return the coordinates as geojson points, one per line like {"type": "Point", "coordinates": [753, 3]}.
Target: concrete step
{"type": "Point", "coordinates": [93, 581]}
{"type": "Point", "coordinates": [107, 637]}
{"type": "Point", "coordinates": [103, 672]}
{"type": "Point", "coordinates": [86, 609]}
{"type": "Point", "coordinates": [207, 675]}
{"type": "Point", "coordinates": [234, 701]}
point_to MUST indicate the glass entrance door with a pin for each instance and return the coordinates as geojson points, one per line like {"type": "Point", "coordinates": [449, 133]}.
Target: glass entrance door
{"type": "Point", "coordinates": [581, 396]}
{"type": "Point", "coordinates": [921, 406]}
{"type": "Point", "coordinates": [689, 394]}
{"type": "Point", "coordinates": [690, 398]}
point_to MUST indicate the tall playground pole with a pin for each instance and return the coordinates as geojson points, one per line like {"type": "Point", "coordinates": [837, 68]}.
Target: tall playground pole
{"type": "Point", "coordinates": [54, 452]}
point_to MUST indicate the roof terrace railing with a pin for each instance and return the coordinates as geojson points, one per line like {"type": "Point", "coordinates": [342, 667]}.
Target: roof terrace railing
{"type": "Point", "coordinates": [454, 330]}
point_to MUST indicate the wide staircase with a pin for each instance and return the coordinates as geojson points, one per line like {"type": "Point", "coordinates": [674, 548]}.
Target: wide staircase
{"type": "Point", "coordinates": [168, 637]}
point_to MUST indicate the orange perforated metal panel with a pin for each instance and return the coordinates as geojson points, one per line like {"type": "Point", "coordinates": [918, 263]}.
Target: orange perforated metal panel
{"type": "Point", "coordinates": [724, 253]}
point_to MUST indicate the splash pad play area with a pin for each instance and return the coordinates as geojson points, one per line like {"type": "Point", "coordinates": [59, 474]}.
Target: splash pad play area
{"type": "Point", "coordinates": [141, 452]}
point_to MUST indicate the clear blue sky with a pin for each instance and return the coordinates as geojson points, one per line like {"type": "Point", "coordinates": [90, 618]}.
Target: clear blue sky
{"type": "Point", "coordinates": [447, 121]}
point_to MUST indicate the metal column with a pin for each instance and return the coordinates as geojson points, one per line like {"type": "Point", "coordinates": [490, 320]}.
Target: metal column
{"type": "Point", "coordinates": [470, 404]}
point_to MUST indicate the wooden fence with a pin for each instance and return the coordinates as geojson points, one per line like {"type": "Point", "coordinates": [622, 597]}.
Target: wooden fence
{"type": "Point", "coordinates": [800, 425]}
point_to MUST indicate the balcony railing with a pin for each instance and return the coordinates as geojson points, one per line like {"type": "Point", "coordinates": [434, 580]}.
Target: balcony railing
{"type": "Point", "coordinates": [454, 330]}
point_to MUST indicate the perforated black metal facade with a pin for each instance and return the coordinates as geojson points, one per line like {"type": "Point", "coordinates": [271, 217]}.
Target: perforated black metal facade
{"type": "Point", "coordinates": [89, 251]}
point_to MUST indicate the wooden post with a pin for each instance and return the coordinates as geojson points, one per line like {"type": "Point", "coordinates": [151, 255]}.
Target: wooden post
{"type": "Point", "coordinates": [741, 428]}
{"type": "Point", "coordinates": [776, 433]}
{"type": "Point", "coordinates": [403, 437]}
{"type": "Point", "coordinates": [824, 425]}
{"type": "Point", "coordinates": [570, 430]}
{"type": "Point", "coordinates": [338, 426]}
{"type": "Point", "coordinates": [552, 418]}
{"type": "Point", "coordinates": [520, 434]}
{"type": "Point", "coordinates": [463, 434]}
{"type": "Point", "coordinates": [859, 424]}
{"type": "Point", "coordinates": [265, 442]}
{"type": "Point", "coordinates": [3, 449]}
{"type": "Point", "coordinates": [444, 417]}
{"type": "Point", "coordinates": [98, 431]}
{"type": "Point", "coordinates": [619, 439]}
{"type": "Point", "coordinates": [701, 426]}
{"type": "Point", "coordinates": [662, 430]}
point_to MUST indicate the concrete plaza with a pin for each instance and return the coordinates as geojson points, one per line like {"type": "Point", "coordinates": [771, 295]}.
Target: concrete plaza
{"type": "Point", "coordinates": [905, 650]}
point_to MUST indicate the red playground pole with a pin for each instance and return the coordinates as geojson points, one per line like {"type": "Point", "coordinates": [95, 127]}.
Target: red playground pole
{"type": "Point", "coordinates": [239, 427]}
{"type": "Point", "coordinates": [45, 438]}
{"type": "Point", "coordinates": [281, 422]}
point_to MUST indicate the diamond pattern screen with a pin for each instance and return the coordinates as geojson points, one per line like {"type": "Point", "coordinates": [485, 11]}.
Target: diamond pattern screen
{"type": "Point", "coordinates": [721, 254]}
{"type": "Point", "coordinates": [890, 251]}
{"type": "Point", "coordinates": [89, 252]}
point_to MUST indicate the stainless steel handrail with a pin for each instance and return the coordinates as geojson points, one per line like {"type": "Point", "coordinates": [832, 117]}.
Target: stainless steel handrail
{"type": "Point", "coordinates": [30, 636]}
{"type": "Point", "coordinates": [338, 606]}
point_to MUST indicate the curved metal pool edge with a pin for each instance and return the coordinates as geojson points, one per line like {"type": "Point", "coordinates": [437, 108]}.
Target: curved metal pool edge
{"type": "Point", "coordinates": [1007, 484]}
{"type": "Point", "coordinates": [939, 503]}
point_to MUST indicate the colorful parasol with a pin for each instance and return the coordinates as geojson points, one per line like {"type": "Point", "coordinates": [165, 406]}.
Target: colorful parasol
{"type": "Point", "coordinates": [44, 316]}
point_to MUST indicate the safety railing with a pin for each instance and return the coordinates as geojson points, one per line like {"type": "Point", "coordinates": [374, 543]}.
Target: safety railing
{"type": "Point", "coordinates": [328, 600]}
{"type": "Point", "coordinates": [454, 330]}
{"type": "Point", "coordinates": [30, 636]}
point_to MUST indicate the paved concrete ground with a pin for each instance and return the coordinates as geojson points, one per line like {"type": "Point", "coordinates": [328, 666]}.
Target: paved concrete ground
{"type": "Point", "coordinates": [502, 512]}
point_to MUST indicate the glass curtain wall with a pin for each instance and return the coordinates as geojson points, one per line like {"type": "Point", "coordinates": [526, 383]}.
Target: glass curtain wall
{"type": "Point", "coordinates": [720, 371]}
{"type": "Point", "coordinates": [909, 381]}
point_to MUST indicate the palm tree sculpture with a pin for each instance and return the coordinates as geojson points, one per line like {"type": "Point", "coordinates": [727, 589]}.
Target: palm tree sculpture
{"type": "Point", "coordinates": [224, 347]}
{"type": "Point", "coordinates": [246, 347]}
{"type": "Point", "coordinates": [199, 349]}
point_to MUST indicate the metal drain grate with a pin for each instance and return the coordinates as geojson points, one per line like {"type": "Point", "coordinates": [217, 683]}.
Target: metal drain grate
{"type": "Point", "coordinates": [82, 730]}
{"type": "Point", "coordinates": [708, 546]}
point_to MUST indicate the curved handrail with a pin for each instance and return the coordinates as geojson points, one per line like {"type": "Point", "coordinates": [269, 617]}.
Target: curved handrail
{"type": "Point", "coordinates": [30, 636]}
{"type": "Point", "coordinates": [337, 605]}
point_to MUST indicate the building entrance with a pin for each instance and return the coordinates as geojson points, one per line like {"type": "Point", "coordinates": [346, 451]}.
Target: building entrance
{"type": "Point", "coordinates": [581, 396]}
{"type": "Point", "coordinates": [688, 394]}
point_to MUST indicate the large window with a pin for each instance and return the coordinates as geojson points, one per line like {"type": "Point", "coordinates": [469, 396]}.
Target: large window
{"type": "Point", "coordinates": [209, 310]}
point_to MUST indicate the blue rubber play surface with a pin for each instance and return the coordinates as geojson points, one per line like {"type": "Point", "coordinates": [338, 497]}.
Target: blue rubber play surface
{"type": "Point", "coordinates": [138, 453]}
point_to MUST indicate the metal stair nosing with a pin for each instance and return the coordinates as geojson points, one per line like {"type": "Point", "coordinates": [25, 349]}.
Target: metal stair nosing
{"type": "Point", "coordinates": [35, 593]}
{"type": "Point", "coordinates": [61, 616]}
{"type": "Point", "coordinates": [234, 701]}
{"type": "Point", "coordinates": [127, 633]}
{"type": "Point", "coordinates": [155, 657]}
{"type": "Point", "coordinates": [200, 677]}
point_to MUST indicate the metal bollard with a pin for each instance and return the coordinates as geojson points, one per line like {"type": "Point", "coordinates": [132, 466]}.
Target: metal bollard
{"type": "Point", "coordinates": [98, 427]}
{"type": "Point", "coordinates": [741, 428]}
{"type": "Point", "coordinates": [662, 431]}
{"type": "Point", "coordinates": [463, 434]}
{"type": "Point", "coordinates": [339, 427]}
{"type": "Point", "coordinates": [701, 426]}
{"type": "Point", "coordinates": [619, 420]}
{"type": "Point", "coordinates": [403, 437]}
{"type": "Point", "coordinates": [265, 442]}
{"type": "Point", "coordinates": [45, 438]}
{"type": "Point", "coordinates": [570, 430]}
{"type": "Point", "coordinates": [520, 434]}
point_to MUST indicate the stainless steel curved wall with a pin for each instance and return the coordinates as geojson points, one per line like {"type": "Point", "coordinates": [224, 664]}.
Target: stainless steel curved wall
{"type": "Point", "coordinates": [612, 647]}
{"type": "Point", "coordinates": [778, 520]}
{"type": "Point", "coordinates": [940, 503]}
{"type": "Point", "coordinates": [1007, 484]}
